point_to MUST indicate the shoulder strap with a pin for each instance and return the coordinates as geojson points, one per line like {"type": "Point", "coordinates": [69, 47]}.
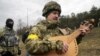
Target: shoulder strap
{"type": "Point", "coordinates": [63, 31]}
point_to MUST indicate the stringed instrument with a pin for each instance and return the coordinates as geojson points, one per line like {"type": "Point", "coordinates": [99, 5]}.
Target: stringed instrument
{"type": "Point", "coordinates": [70, 40]}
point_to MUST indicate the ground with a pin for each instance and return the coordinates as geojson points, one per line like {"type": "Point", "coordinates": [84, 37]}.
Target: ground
{"type": "Point", "coordinates": [90, 45]}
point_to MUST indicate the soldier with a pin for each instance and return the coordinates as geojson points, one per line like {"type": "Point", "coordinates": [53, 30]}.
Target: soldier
{"type": "Point", "coordinates": [37, 42]}
{"type": "Point", "coordinates": [9, 41]}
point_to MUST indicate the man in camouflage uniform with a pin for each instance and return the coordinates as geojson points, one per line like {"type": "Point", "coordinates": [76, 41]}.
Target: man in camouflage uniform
{"type": "Point", "coordinates": [45, 29]}
{"type": "Point", "coordinates": [37, 42]}
{"type": "Point", "coordinates": [9, 42]}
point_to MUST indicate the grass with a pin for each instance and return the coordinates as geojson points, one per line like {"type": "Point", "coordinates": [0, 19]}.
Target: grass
{"type": "Point", "coordinates": [90, 45]}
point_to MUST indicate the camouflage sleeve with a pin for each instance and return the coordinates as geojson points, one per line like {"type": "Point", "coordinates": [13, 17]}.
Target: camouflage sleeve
{"type": "Point", "coordinates": [1, 35]}
{"type": "Point", "coordinates": [17, 44]}
{"type": "Point", "coordinates": [1, 32]}
{"type": "Point", "coordinates": [16, 39]}
{"type": "Point", "coordinates": [35, 30]}
{"type": "Point", "coordinates": [37, 46]}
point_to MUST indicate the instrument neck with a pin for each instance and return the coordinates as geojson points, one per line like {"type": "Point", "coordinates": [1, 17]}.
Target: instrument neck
{"type": "Point", "coordinates": [73, 36]}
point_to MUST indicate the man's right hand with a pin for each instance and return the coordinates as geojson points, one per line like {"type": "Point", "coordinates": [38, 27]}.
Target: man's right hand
{"type": "Point", "coordinates": [61, 47]}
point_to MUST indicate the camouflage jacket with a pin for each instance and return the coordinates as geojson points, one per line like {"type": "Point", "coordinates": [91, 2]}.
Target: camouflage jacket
{"type": "Point", "coordinates": [44, 30]}
{"type": "Point", "coordinates": [9, 41]}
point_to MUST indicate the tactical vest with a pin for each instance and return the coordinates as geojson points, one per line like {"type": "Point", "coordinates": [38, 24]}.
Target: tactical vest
{"type": "Point", "coordinates": [9, 39]}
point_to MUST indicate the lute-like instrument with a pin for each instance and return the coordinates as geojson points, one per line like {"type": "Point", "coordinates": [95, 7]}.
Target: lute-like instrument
{"type": "Point", "coordinates": [70, 40]}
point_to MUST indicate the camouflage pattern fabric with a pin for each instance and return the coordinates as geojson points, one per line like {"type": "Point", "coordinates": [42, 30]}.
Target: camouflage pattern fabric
{"type": "Point", "coordinates": [9, 41]}
{"type": "Point", "coordinates": [44, 30]}
{"type": "Point", "coordinates": [52, 5]}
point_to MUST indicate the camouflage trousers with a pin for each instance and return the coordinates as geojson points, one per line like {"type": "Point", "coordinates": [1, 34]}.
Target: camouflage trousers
{"type": "Point", "coordinates": [12, 50]}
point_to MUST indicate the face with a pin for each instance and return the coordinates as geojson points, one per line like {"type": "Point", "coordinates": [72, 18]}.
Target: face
{"type": "Point", "coordinates": [53, 17]}
{"type": "Point", "coordinates": [10, 24]}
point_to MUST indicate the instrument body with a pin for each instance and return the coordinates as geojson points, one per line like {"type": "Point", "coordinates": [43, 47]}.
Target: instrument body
{"type": "Point", "coordinates": [72, 47]}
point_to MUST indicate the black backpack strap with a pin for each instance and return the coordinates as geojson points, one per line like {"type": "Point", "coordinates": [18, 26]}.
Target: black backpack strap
{"type": "Point", "coordinates": [24, 36]}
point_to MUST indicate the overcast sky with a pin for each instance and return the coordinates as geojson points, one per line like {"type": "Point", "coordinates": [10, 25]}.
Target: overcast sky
{"type": "Point", "coordinates": [17, 9]}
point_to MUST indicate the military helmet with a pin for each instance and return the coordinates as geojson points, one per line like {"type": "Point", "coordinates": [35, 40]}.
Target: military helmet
{"type": "Point", "coordinates": [51, 6]}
